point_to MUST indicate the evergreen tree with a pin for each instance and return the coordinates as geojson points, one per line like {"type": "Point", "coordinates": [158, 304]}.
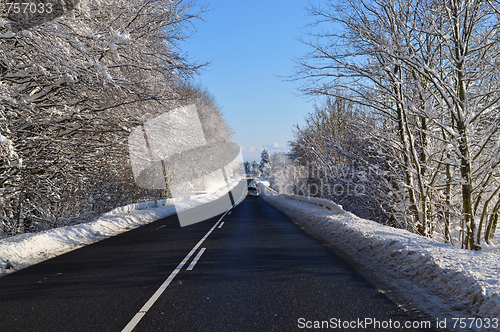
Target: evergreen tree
{"type": "Point", "coordinates": [265, 162]}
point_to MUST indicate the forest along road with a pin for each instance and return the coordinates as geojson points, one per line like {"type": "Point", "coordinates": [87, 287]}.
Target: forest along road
{"type": "Point", "coordinates": [255, 271]}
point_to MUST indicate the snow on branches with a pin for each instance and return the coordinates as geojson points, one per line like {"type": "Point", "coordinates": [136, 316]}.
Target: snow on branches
{"type": "Point", "coordinates": [428, 71]}
{"type": "Point", "coordinates": [71, 89]}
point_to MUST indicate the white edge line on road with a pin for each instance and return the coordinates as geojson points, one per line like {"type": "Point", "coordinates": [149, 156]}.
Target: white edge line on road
{"type": "Point", "coordinates": [138, 316]}
{"type": "Point", "coordinates": [195, 260]}
{"type": "Point", "coordinates": [222, 223]}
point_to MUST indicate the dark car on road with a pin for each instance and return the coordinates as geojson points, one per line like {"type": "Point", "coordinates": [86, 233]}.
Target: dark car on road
{"type": "Point", "coordinates": [253, 191]}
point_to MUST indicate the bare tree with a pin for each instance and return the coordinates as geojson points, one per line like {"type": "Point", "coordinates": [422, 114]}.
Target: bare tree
{"type": "Point", "coordinates": [429, 68]}
{"type": "Point", "coordinates": [72, 89]}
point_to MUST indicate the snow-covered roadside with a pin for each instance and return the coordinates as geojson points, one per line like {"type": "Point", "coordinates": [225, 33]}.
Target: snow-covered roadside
{"type": "Point", "coordinates": [21, 251]}
{"type": "Point", "coordinates": [439, 279]}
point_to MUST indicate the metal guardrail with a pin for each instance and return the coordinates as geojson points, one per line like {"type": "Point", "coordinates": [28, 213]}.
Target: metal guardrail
{"type": "Point", "coordinates": [308, 199]}
{"type": "Point", "coordinates": [315, 200]}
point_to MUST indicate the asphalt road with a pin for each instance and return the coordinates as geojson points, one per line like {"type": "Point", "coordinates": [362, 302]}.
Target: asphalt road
{"type": "Point", "coordinates": [257, 272]}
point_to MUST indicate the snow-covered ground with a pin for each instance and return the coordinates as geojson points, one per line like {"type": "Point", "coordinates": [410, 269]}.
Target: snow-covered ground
{"type": "Point", "coordinates": [21, 251]}
{"type": "Point", "coordinates": [438, 279]}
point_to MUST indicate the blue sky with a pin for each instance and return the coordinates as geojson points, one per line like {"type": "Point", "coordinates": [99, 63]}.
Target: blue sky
{"type": "Point", "coordinates": [250, 44]}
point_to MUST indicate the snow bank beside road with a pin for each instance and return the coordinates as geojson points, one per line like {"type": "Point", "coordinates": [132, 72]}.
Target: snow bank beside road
{"type": "Point", "coordinates": [447, 281]}
{"type": "Point", "coordinates": [21, 251]}
{"type": "Point", "coordinates": [31, 248]}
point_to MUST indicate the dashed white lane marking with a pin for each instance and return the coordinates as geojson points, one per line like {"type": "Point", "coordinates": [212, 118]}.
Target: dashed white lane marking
{"type": "Point", "coordinates": [195, 260]}
{"type": "Point", "coordinates": [222, 223]}
{"type": "Point", "coordinates": [138, 316]}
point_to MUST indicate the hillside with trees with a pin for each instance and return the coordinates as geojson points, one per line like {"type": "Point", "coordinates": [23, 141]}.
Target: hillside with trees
{"type": "Point", "coordinates": [71, 91]}
{"type": "Point", "coordinates": [409, 132]}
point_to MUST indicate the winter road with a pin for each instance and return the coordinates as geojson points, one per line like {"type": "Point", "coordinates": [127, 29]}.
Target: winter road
{"type": "Point", "coordinates": [254, 271]}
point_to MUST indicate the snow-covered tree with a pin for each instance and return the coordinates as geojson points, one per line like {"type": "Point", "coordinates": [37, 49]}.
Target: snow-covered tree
{"type": "Point", "coordinates": [248, 167]}
{"type": "Point", "coordinates": [72, 89]}
{"type": "Point", "coordinates": [265, 162]}
{"type": "Point", "coordinates": [339, 148]}
{"type": "Point", "coordinates": [214, 125]}
{"type": "Point", "coordinates": [428, 70]}
{"type": "Point", "coordinates": [255, 168]}
{"type": "Point", "coordinates": [286, 176]}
